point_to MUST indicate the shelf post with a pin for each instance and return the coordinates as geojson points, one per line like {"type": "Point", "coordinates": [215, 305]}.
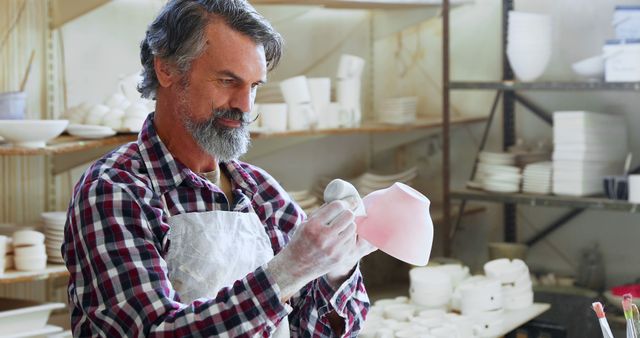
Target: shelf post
{"type": "Point", "coordinates": [508, 121]}
{"type": "Point", "coordinates": [446, 203]}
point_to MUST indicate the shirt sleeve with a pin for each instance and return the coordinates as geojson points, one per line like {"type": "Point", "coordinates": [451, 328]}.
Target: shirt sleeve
{"type": "Point", "coordinates": [118, 279]}
{"type": "Point", "coordinates": [316, 300]}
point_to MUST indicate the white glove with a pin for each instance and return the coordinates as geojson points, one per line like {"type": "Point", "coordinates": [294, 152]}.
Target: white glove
{"type": "Point", "coordinates": [338, 190]}
{"type": "Point", "coordinates": [326, 240]}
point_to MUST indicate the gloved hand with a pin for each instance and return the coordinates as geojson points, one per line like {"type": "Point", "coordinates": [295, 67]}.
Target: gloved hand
{"type": "Point", "coordinates": [326, 241]}
{"type": "Point", "coordinates": [336, 190]}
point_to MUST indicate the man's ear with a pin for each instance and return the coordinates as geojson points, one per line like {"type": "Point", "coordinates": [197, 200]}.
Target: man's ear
{"type": "Point", "coordinates": [164, 72]}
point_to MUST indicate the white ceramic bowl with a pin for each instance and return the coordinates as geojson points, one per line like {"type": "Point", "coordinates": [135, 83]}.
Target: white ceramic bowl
{"type": "Point", "coordinates": [31, 263]}
{"type": "Point", "coordinates": [31, 133]}
{"type": "Point", "coordinates": [591, 68]}
{"type": "Point", "coordinates": [27, 237]}
{"type": "Point", "coordinates": [528, 65]}
{"type": "Point", "coordinates": [480, 296]}
{"type": "Point", "coordinates": [505, 270]}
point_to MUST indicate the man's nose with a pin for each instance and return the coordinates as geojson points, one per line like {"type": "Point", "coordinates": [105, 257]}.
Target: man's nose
{"type": "Point", "coordinates": [242, 99]}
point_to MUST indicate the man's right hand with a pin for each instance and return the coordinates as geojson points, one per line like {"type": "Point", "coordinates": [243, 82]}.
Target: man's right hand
{"type": "Point", "coordinates": [317, 246]}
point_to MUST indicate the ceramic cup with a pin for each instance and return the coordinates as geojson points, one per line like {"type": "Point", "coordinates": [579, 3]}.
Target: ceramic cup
{"type": "Point", "coordinates": [398, 223]}
{"type": "Point", "coordinates": [274, 116]}
{"type": "Point", "coordinates": [348, 94]}
{"type": "Point", "coordinates": [300, 116]}
{"type": "Point", "coordinates": [320, 90]}
{"type": "Point", "coordinates": [12, 105]}
{"type": "Point", "coordinates": [350, 67]}
{"type": "Point", "coordinates": [330, 118]}
{"type": "Point", "coordinates": [295, 90]}
{"type": "Point", "coordinates": [96, 114]}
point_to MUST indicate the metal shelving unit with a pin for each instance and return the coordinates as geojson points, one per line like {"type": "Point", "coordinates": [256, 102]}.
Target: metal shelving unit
{"type": "Point", "coordinates": [547, 86]}
{"type": "Point", "coordinates": [508, 89]}
{"type": "Point", "coordinates": [533, 200]}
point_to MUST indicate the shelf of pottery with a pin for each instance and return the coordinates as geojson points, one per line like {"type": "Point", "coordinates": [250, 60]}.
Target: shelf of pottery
{"type": "Point", "coordinates": [590, 157]}
{"type": "Point", "coordinates": [446, 301]}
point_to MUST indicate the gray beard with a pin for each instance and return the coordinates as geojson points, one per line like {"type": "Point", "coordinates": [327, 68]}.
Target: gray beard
{"type": "Point", "coordinates": [223, 143]}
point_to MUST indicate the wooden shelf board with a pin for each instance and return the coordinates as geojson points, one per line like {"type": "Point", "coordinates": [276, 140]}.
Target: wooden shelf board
{"type": "Point", "coordinates": [68, 144]}
{"type": "Point", "coordinates": [51, 271]}
{"type": "Point", "coordinates": [372, 127]}
{"type": "Point", "coordinates": [362, 4]}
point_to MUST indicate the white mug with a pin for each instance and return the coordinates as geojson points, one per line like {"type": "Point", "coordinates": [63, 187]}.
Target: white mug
{"type": "Point", "coordinates": [350, 67]}
{"type": "Point", "coordinates": [274, 116]}
{"type": "Point", "coordinates": [295, 90]}
{"type": "Point", "coordinates": [320, 90]}
{"type": "Point", "coordinates": [348, 94]}
{"type": "Point", "coordinates": [300, 116]}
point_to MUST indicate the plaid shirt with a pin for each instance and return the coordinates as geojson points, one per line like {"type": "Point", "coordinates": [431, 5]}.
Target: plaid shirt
{"type": "Point", "coordinates": [116, 241]}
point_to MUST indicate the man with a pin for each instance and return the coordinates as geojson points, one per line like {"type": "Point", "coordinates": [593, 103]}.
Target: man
{"type": "Point", "coordinates": [173, 236]}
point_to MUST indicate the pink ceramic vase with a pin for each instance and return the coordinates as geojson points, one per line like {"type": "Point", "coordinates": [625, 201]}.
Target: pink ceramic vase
{"type": "Point", "coordinates": [398, 223]}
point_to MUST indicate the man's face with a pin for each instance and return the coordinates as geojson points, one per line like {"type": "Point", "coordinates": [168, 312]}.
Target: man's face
{"type": "Point", "coordinates": [218, 92]}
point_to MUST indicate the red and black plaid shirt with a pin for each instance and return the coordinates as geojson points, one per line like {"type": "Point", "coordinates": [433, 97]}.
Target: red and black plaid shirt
{"type": "Point", "coordinates": [115, 244]}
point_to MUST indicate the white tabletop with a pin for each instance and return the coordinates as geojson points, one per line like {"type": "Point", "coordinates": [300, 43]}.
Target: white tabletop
{"type": "Point", "coordinates": [513, 319]}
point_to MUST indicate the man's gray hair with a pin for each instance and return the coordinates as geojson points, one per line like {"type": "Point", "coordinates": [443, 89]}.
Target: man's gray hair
{"type": "Point", "coordinates": [177, 35]}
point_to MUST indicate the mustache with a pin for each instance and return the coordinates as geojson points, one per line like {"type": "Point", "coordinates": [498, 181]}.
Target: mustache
{"type": "Point", "coordinates": [234, 114]}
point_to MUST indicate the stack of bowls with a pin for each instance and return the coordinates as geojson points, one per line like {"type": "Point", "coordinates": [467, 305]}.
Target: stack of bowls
{"type": "Point", "coordinates": [430, 288]}
{"type": "Point", "coordinates": [308, 202]}
{"type": "Point", "coordinates": [6, 253]}
{"type": "Point", "coordinates": [497, 172]}
{"type": "Point", "coordinates": [54, 233]}
{"type": "Point", "coordinates": [529, 44]}
{"type": "Point", "coordinates": [517, 292]}
{"type": "Point", "coordinates": [29, 250]}
{"type": "Point", "coordinates": [537, 178]}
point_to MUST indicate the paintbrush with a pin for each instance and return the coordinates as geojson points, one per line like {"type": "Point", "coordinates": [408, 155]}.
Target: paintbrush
{"type": "Point", "coordinates": [23, 84]}
{"type": "Point", "coordinates": [627, 302]}
{"type": "Point", "coordinates": [604, 325]}
{"type": "Point", "coordinates": [636, 317]}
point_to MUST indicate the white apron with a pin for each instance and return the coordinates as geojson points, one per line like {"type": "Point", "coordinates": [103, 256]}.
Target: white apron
{"type": "Point", "coordinates": [211, 250]}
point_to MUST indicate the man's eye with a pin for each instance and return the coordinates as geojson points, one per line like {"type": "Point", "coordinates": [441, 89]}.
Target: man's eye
{"type": "Point", "coordinates": [226, 82]}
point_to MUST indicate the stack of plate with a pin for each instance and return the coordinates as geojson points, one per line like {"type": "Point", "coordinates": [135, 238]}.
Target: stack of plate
{"type": "Point", "coordinates": [90, 131]}
{"type": "Point", "coordinates": [400, 110]}
{"type": "Point", "coordinates": [305, 200]}
{"type": "Point", "coordinates": [587, 147]}
{"type": "Point", "coordinates": [370, 182]}
{"type": "Point", "coordinates": [54, 234]}
{"type": "Point", "coordinates": [537, 178]}
{"type": "Point", "coordinates": [497, 172]}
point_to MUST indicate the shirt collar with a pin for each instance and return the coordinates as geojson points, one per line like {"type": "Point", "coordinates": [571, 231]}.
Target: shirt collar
{"type": "Point", "coordinates": [165, 171]}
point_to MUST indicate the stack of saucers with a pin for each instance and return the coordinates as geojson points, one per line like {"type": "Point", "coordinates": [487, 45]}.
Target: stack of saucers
{"type": "Point", "coordinates": [497, 172]}
{"type": "Point", "coordinates": [370, 182]}
{"type": "Point", "coordinates": [305, 200]}
{"type": "Point", "coordinates": [537, 178]}
{"type": "Point", "coordinates": [54, 234]}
